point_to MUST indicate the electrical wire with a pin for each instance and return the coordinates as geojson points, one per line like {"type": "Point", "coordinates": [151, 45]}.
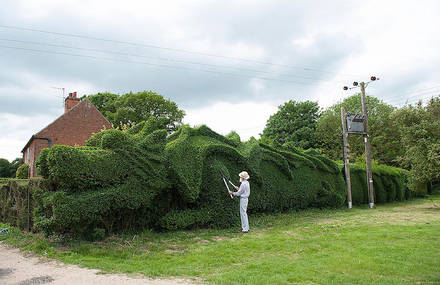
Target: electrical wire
{"type": "Point", "coordinates": [166, 48]}
{"type": "Point", "coordinates": [161, 59]}
{"type": "Point", "coordinates": [415, 94]}
{"type": "Point", "coordinates": [414, 101]}
{"type": "Point", "coordinates": [427, 94]}
{"type": "Point", "coordinates": [157, 65]}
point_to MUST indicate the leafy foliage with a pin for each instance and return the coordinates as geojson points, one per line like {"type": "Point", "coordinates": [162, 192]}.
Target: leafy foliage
{"type": "Point", "coordinates": [23, 171]}
{"type": "Point", "coordinates": [295, 122]}
{"type": "Point", "coordinates": [4, 168]}
{"type": "Point", "coordinates": [385, 137]}
{"type": "Point", "coordinates": [7, 169]}
{"type": "Point", "coordinates": [133, 108]}
{"type": "Point", "coordinates": [419, 128]}
{"type": "Point", "coordinates": [17, 203]}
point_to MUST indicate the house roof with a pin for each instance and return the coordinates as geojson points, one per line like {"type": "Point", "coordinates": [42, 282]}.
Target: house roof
{"type": "Point", "coordinates": [76, 106]}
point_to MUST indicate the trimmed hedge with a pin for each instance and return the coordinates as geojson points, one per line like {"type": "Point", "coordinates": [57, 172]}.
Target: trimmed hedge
{"type": "Point", "coordinates": [107, 185]}
{"type": "Point", "coordinates": [281, 179]}
{"type": "Point", "coordinates": [389, 184]}
{"type": "Point", "coordinates": [83, 214]}
{"type": "Point", "coordinates": [139, 178]}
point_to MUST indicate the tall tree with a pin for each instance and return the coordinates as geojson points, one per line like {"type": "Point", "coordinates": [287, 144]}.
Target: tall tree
{"type": "Point", "coordinates": [385, 139]}
{"type": "Point", "coordinates": [419, 127]}
{"type": "Point", "coordinates": [132, 108]}
{"type": "Point", "coordinates": [5, 168]}
{"type": "Point", "coordinates": [294, 123]}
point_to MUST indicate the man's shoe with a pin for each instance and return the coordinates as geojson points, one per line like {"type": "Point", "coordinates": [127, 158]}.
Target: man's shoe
{"type": "Point", "coordinates": [244, 232]}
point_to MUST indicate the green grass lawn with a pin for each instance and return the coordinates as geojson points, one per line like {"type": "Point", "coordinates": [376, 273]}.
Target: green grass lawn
{"type": "Point", "coordinates": [397, 243]}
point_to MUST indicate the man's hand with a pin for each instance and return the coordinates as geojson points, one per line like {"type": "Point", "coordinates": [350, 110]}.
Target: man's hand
{"type": "Point", "coordinates": [230, 192]}
{"type": "Point", "coordinates": [236, 187]}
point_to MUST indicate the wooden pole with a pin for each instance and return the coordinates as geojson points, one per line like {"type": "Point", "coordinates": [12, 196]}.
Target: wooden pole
{"type": "Point", "coordinates": [367, 148]}
{"type": "Point", "coordinates": [346, 156]}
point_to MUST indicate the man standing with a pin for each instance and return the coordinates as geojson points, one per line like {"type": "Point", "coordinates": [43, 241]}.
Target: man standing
{"type": "Point", "coordinates": [243, 192]}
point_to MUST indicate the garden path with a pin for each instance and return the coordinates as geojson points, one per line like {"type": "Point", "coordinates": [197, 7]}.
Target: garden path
{"type": "Point", "coordinates": [17, 268]}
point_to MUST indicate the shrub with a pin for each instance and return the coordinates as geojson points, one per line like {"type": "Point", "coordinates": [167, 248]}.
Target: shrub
{"type": "Point", "coordinates": [22, 171]}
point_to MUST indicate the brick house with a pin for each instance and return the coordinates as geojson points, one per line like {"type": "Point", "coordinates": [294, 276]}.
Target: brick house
{"type": "Point", "coordinates": [80, 120]}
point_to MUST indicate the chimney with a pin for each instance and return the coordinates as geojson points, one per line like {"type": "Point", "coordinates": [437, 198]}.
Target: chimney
{"type": "Point", "coordinates": [70, 102]}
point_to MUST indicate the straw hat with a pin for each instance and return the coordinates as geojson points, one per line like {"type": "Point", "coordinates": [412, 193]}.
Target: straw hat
{"type": "Point", "coordinates": [244, 175]}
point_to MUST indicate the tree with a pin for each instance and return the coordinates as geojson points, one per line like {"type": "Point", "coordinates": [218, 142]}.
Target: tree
{"type": "Point", "coordinates": [104, 102]}
{"type": "Point", "coordinates": [419, 127]}
{"type": "Point", "coordinates": [8, 169]}
{"type": "Point", "coordinates": [295, 122]}
{"type": "Point", "coordinates": [5, 168]}
{"type": "Point", "coordinates": [385, 138]}
{"type": "Point", "coordinates": [14, 165]}
{"type": "Point", "coordinates": [132, 108]}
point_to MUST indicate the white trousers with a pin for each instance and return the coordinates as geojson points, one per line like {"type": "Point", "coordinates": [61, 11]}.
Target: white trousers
{"type": "Point", "coordinates": [243, 214]}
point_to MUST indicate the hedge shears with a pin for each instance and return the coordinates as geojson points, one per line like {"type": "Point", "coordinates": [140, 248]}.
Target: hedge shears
{"type": "Point", "coordinates": [226, 184]}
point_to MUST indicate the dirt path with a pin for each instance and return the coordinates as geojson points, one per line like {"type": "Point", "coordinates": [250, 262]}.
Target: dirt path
{"type": "Point", "coordinates": [15, 268]}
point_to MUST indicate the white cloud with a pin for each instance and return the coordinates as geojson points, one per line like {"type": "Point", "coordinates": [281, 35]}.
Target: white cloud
{"type": "Point", "coordinates": [247, 118]}
{"type": "Point", "coordinates": [17, 130]}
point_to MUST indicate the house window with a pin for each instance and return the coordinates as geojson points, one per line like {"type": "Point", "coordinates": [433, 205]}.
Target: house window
{"type": "Point", "coordinates": [28, 154]}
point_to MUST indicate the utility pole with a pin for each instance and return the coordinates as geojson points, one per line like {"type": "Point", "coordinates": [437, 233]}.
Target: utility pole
{"type": "Point", "coordinates": [367, 147]}
{"type": "Point", "coordinates": [366, 136]}
{"type": "Point", "coordinates": [345, 148]}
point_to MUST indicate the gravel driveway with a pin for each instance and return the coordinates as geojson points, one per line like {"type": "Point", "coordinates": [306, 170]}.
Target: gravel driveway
{"type": "Point", "coordinates": [16, 268]}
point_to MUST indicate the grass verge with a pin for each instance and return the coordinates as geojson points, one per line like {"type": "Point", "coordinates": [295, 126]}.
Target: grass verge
{"type": "Point", "coordinates": [397, 243]}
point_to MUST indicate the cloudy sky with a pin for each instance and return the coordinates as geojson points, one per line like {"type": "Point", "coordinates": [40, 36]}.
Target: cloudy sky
{"type": "Point", "coordinates": [228, 64]}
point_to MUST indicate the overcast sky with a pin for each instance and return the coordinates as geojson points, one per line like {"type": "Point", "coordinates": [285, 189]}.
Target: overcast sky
{"type": "Point", "coordinates": [228, 64]}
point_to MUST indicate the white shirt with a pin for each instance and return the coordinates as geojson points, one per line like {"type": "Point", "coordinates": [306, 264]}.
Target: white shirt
{"type": "Point", "coordinates": [244, 191]}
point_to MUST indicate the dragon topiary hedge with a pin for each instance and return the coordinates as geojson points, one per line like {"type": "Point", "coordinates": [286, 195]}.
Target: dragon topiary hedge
{"type": "Point", "coordinates": [140, 178]}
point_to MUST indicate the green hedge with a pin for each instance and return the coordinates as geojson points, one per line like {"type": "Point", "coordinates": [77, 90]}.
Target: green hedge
{"type": "Point", "coordinates": [281, 179]}
{"type": "Point", "coordinates": [389, 184]}
{"type": "Point", "coordinates": [108, 185]}
{"type": "Point", "coordinates": [83, 214]}
{"type": "Point", "coordinates": [139, 178]}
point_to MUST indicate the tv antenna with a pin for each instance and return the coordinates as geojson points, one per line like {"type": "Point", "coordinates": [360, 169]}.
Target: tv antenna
{"type": "Point", "coordinates": [63, 89]}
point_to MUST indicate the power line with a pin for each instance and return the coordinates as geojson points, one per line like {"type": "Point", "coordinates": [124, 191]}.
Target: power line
{"type": "Point", "coordinates": [414, 101]}
{"type": "Point", "coordinates": [165, 48]}
{"type": "Point", "coordinates": [438, 86]}
{"type": "Point", "coordinates": [430, 93]}
{"type": "Point", "coordinates": [159, 58]}
{"type": "Point", "coordinates": [158, 65]}
{"type": "Point", "coordinates": [413, 94]}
